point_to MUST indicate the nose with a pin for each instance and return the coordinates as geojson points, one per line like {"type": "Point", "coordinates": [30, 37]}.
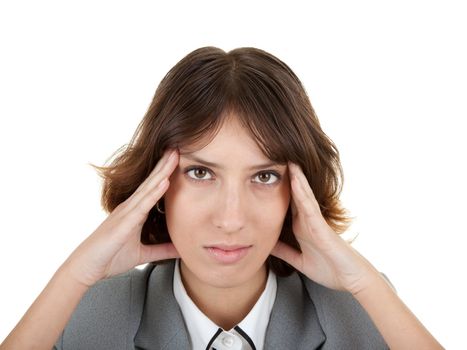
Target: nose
{"type": "Point", "coordinates": [230, 209]}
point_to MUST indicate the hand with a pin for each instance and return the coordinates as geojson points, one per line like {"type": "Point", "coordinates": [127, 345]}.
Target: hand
{"type": "Point", "coordinates": [325, 258]}
{"type": "Point", "coordinates": [115, 246]}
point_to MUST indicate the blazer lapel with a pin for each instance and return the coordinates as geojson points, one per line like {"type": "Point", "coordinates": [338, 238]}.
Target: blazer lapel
{"type": "Point", "coordinates": [162, 325]}
{"type": "Point", "coordinates": [294, 322]}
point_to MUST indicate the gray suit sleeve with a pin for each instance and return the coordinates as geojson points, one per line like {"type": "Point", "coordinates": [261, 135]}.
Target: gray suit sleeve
{"type": "Point", "coordinates": [103, 317]}
{"type": "Point", "coordinates": [95, 314]}
{"type": "Point", "coordinates": [345, 322]}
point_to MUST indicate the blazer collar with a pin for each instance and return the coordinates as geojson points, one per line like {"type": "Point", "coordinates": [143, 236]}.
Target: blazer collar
{"type": "Point", "coordinates": [293, 324]}
{"type": "Point", "coordinates": [162, 325]}
{"type": "Point", "coordinates": [294, 321]}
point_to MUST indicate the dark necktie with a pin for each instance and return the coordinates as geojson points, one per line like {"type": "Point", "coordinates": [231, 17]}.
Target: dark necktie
{"type": "Point", "coordinates": [228, 340]}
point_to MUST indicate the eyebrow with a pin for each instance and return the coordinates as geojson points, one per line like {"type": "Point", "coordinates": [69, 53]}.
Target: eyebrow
{"type": "Point", "coordinates": [217, 166]}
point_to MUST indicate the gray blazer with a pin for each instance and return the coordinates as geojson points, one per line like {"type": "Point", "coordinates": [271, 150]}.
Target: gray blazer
{"type": "Point", "coordinates": [137, 310]}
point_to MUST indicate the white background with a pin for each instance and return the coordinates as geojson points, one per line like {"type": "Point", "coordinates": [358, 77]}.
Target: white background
{"type": "Point", "coordinates": [387, 79]}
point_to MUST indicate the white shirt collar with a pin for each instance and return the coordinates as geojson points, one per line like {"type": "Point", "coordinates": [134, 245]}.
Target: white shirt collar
{"type": "Point", "coordinates": [201, 328]}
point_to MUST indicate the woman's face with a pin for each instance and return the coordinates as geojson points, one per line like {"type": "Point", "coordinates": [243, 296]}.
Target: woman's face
{"type": "Point", "coordinates": [225, 208]}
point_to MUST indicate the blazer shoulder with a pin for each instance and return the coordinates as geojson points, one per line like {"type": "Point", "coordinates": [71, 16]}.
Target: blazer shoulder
{"type": "Point", "coordinates": [109, 313]}
{"type": "Point", "coordinates": [344, 321]}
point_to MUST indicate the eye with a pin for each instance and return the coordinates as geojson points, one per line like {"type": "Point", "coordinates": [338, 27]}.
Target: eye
{"type": "Point", "coordinates": [268, 178]}
{"type": "Point", "coordinates": [198, 174]}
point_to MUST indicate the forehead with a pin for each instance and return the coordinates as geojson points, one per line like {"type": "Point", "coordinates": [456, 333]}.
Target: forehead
{"type": "Point", "coordinates": [233, 143]}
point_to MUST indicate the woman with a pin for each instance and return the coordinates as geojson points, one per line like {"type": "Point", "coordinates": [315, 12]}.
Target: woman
{"type": "Point", "coordinates": [230, 190]}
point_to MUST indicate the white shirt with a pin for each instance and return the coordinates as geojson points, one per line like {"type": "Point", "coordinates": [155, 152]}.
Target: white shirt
{"type": "Point", "coordinates": [201, 329]}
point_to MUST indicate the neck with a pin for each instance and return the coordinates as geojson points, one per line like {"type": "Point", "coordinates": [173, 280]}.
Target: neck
{"type": "Point", "coordinates": [228, 306]}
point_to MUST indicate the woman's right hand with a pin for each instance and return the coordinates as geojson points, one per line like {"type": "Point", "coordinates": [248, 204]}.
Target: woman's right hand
{"type": "Point", "coordinates": [115, 246]}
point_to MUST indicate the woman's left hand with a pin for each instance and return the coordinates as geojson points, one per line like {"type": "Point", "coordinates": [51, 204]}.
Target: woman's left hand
{"type": "Point", "coordinates": [330, 261]}
{"type": "Point", "coordinates": [325, 258]}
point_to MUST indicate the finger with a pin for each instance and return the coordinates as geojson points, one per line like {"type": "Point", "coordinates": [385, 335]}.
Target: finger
{"type": "Point", "coordinates": [302, 194]}
{"type": "Point", "coordinates": [288, 254]}
{"type": "Point", "coordinates": [150, 189]}
{"type": "Point", "coordinates": [293, 206]}
{"type": "Point", "coordinates": [156, 252]}
{"type": "Point", "coordinates": [137, 207]}
{"type": "Point", "coordinates": [140, 209]}
{"type": "Point", "coordinates": [163, 172]}
{"type": "Point", "coordinates": [301, 200]}
{"type": "Point", "coordinates": [168, 155]}
{"type": "Point", "coordinates": [314, 222]}
{"type": "Point", "coordinates": [166, 158]}
{"type": "Point", "coordinates": [297, 171]}
{"type": "Point", "coordinates": [152, 193]}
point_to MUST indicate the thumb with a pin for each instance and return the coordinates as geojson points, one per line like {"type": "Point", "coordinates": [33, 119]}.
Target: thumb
{"type": "Point", "coordinates": [288, 254]}
{"type": "Point", "coordinates": [156, 252]}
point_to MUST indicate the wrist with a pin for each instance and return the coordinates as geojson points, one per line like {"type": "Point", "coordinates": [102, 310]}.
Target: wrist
{"type": "Point", "coordinates": [71, 272]}
{"type": "Point", "coordinates": [373, 282]}
{"type": "Point", "coordinates": [370, 278]}
{"type": "Point", "coordinates": [380, 301]}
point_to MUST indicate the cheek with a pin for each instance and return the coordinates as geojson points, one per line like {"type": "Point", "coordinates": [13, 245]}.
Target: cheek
{"type": "Point", "coordinates": [185, 210]}
{"type": "Point", "coordinates": [268, 212]}
{"type": "Point", "coordinates": [274, 202]}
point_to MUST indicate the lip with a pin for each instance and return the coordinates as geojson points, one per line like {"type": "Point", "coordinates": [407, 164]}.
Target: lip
{"type": "Point", "coordinates": [228, 254]}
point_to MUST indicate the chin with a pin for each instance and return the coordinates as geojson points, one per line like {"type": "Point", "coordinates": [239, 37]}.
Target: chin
{"type": "Point", "coordinates": [229, 276]}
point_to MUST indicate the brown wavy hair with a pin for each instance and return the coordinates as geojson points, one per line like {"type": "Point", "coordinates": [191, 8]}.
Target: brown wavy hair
{"type": "Point", "coordinates": [191, 103]}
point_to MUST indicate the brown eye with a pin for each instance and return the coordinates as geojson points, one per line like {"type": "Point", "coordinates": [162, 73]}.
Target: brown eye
{"type": "Point", "coordinates": [264, 177]}
{"type": "Point", "coordinates": [268, 178]}
{"type": "Point", "coordinates": [198, 174]}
